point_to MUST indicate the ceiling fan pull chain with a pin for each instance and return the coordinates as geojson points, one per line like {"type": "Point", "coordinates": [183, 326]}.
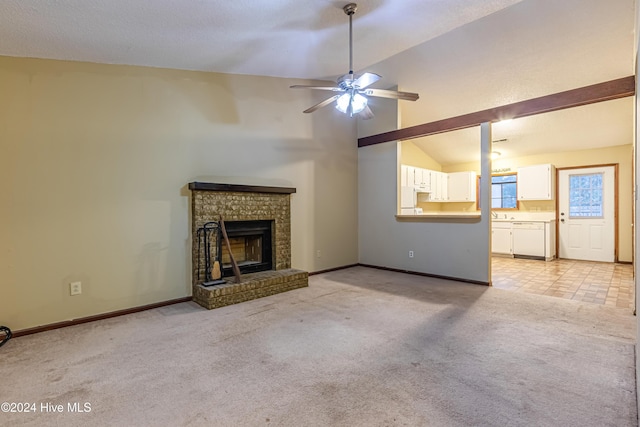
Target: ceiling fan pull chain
{"type": "Point", "coordinates": [351, 99]}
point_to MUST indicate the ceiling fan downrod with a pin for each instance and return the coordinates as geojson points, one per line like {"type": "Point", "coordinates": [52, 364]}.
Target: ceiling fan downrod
{"type": "Point", "coordinates": [350, 9]}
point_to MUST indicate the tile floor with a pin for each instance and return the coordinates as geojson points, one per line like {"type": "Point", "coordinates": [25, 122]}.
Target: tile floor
{"type": "Point", "coordinates": [595, 282]}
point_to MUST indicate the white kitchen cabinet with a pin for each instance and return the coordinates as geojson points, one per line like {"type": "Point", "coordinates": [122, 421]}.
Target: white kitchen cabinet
{"type": "Point", "coordinates": [536, 182]}
{"type": "Point", "coordinates": [461, 187]}
{"type": "Point", "coordinates": [406, 175]}
{"type": "Point", "coordinates": [444, 186]}
{"type": "Point", "coordinates": [403, 175]}
{"type": "Point", "coordinates": [419, 178]}
{"type": "Point", "coordinates": [422, 180]}
{"type": "Point", "coordinates": [438, 186]}
{"type": "Point", "coordinates": [501, 240]}
{"type": "Point", "coordinates": [532, 238]}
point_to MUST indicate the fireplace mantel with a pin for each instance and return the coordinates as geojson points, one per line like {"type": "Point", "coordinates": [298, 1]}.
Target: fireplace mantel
{"type": "Point", "coordinates": [210, 186]}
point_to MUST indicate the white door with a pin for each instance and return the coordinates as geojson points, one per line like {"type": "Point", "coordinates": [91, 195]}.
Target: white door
{"type": "Point", "coordinates": [586, 216]}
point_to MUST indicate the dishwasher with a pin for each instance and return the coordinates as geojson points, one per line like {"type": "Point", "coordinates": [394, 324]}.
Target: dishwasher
{"type": "Point", "coordinates": [528, 240]}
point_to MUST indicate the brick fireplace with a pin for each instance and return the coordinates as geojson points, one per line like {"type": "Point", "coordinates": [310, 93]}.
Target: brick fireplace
{"type": "Point", "coordinates": [254, 216]}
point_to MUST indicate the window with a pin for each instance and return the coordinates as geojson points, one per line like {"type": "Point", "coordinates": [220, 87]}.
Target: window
{"type": "Point", "coordinates": [585, 196]}
{"type": "Point", "coordinates": [503, 191]}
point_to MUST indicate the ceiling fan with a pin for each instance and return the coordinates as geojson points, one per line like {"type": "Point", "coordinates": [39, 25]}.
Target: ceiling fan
{"type": "Point", "coordinates": [352, 92]}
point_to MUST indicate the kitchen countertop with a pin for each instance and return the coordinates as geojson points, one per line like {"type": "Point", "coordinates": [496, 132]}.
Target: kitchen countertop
{"type": "Point", "coordinates": [521, 220]}
{"type": "Point", "coordinates": [475, 215]}
{"type": "Point", "coordinates": [440, 215]}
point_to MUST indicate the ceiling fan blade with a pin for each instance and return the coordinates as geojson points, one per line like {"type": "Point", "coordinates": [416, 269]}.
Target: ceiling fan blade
{"type": "Point", "coordinates": [331, 88]}
{"type": "Point", "coordinates": [365, 80]}
{"type": "Point", "coordinates": [382, 93]}
{"type": "Point", "coordinates": [366, 114]}
{"type": "Point", "coordinates": [322, 104]}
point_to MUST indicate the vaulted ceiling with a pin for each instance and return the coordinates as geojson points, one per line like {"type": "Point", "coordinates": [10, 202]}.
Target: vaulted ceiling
{"type": "Point", "coordinates": [460, 55]}
{"type": "Point", "coordinates": [282, 38]}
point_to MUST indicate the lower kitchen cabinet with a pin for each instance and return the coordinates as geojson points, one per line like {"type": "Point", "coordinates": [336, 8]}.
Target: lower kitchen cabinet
{"type": "Point", "coordinates": [527, 239]}
{"type": "Point", "coordinates": [501, 241]}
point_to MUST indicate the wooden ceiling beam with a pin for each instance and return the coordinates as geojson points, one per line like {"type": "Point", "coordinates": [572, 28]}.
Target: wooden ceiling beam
{"type": "Point", "coordinates": [613, 89]}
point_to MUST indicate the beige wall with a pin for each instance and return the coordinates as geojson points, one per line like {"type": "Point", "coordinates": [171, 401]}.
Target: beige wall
{"type": "Point", "coordinates": [621, 154]}
{"type": "Point", "coordinates": [94, 163]}
{"type": "Point", "coordinates": [413, 156]}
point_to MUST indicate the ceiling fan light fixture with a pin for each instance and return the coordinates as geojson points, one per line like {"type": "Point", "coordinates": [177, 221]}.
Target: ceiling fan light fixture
{"type": "Point", "coordinates": [358, 103]}
{"type": "Point", "coordinates": [352, 92]}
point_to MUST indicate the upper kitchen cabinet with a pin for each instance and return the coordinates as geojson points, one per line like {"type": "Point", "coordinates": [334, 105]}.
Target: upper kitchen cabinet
{"type": "Point", "coordinates": [461, 187]}
{"type": "Point", "coordinates": [406, 175]}
{"type": "Point", "coordinates": [422, 180]}
{"type": "Point", "coordinates": [418, 178]}
{"type": "Point", "coordinates": [438, 186]}
{"type": "Point", "coordinates": [536, 182]}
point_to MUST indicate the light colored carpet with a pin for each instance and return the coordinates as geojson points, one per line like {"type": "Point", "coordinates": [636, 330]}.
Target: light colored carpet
{"type": "Point", "coordinates": [359, 347]}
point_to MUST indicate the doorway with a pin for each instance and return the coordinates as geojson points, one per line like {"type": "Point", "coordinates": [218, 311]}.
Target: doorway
{"type": "Point", "coordinates": [587, 213]}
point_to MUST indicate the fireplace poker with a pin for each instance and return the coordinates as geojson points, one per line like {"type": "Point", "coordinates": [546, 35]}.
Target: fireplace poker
{"type": "Point", "coordinates": [234, 264]}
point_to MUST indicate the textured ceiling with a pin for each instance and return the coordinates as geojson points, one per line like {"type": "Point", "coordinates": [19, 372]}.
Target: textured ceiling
{"type": "Point", "coordinates": [604, 124]}
{"type": "Point", "coordinates": [531, 49]}
{"type": "Point", "coordinates": [283, 38]}
{"type": "Point", "coordinates": [460, 55]}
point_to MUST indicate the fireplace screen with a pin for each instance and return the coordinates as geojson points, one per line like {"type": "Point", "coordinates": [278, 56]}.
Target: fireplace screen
{"type": "Point", "coordinates": [251, 246]}
{"type": "Point", "coordinates": [246, 251]}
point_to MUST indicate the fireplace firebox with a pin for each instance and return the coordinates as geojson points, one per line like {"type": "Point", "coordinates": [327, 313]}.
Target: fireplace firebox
{"type": "Point", "coordinates": [251, 246]}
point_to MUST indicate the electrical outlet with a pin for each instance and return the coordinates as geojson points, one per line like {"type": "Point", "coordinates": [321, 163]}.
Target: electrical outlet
{"type": "Point", "coordinates": [318, 253]}
{"type": "Point", "coordinates": [410, 254]}
{"type": "Point", "coordinates": [75, 288]}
